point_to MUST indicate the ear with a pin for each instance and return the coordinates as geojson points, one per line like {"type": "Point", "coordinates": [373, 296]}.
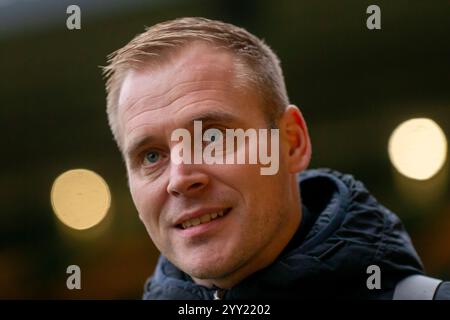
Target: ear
{"type": "Point", "coordinates": [294, 131]}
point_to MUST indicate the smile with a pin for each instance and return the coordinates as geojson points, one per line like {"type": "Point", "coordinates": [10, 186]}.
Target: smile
{"type": "Point", "coordinates": [203, 219]}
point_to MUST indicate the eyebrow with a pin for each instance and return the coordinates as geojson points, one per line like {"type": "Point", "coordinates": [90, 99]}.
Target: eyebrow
{"type": "Point", "coordinates": [138, 144]}
{"type": "Point", "coordinates": [206, 117]}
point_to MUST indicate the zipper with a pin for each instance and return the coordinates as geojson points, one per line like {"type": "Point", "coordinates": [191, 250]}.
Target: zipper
{"type": "Point", "coordinates": [219, 294]}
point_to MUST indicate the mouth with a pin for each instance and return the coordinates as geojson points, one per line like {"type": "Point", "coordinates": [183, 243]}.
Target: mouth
{"type": "Point", "coordinates": [203, 219]}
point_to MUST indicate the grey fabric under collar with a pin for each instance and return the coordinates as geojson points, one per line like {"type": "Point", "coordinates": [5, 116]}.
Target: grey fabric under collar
{"type": "Point", "coordinates": [416, 287]}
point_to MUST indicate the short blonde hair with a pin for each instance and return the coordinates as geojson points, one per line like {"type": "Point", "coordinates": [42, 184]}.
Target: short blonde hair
{"type": "Point", "coordinates": [162, 39]}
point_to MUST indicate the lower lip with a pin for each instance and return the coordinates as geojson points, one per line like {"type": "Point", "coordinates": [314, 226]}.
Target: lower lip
{"type": "Point", "coordinates": [203, 228]}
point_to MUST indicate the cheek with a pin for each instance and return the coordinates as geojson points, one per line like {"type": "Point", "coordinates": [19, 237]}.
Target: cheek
{"type": "Point", "coordinates": [240, 177]}
{"type": "Point", "coordinates": [263, 195]}
{"type": "Point", "coordinates": [148, 205]}
{"type": "Point", "coordinates": [256, 191]}
{"type": "Point", "coordinates": [146, 202]}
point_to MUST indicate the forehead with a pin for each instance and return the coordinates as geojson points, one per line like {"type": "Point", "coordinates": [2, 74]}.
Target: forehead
{"type": "Point", "coordinates": [193, 66]}
{"type": "Point", "coordinates": [197, 80]}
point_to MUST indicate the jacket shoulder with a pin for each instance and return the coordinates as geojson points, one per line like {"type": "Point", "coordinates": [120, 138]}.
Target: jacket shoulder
{"type": "Point", "coordinates": [443, 291]}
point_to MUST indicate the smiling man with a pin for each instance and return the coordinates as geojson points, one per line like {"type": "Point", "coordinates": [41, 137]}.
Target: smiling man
{"type": "Point", "coordinates": [226, 230]}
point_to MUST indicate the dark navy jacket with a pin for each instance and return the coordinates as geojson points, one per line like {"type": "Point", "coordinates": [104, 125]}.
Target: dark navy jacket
{"type": "Point", "coordinates": [343, 231]}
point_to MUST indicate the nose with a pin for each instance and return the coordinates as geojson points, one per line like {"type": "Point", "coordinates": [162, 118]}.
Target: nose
{"type": "Point", "coordinates": [186, 180]}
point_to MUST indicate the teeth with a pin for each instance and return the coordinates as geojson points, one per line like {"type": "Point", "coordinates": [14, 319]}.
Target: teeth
{"type": "Point", "coordinates": [195, 221]}
{"type": "Point", "coordinates": [203, 219]}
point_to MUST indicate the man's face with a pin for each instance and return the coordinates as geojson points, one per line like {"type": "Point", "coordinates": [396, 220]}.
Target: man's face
{"type": "Point", "coordinates": [254, 207]}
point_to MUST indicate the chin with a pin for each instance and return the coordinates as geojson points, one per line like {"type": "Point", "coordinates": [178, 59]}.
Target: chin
{"type": "Point", "coordinates": [207, 267]}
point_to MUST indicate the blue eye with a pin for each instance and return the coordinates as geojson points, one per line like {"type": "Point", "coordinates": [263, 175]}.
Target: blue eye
{"type": "Point", "coordinates": [213, 134]}
{"type": "Point", "coordinates": [152, 156]}
{"type": "Point", "coordinates": [216, 136]}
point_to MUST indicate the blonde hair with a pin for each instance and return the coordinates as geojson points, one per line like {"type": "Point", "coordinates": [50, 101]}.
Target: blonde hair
{"type": "Point", "coordinates": [158, 42]}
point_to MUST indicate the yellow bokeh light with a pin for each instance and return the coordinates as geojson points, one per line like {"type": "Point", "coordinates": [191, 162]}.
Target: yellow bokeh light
{"type": "Point", "coordinates": [418, 148]}
{"type": "Point", "coordinates": [80, 198]}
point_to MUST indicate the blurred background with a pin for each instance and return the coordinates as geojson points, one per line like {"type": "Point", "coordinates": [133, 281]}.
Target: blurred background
{"type": "Point", "coordinates": [355, 87]}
